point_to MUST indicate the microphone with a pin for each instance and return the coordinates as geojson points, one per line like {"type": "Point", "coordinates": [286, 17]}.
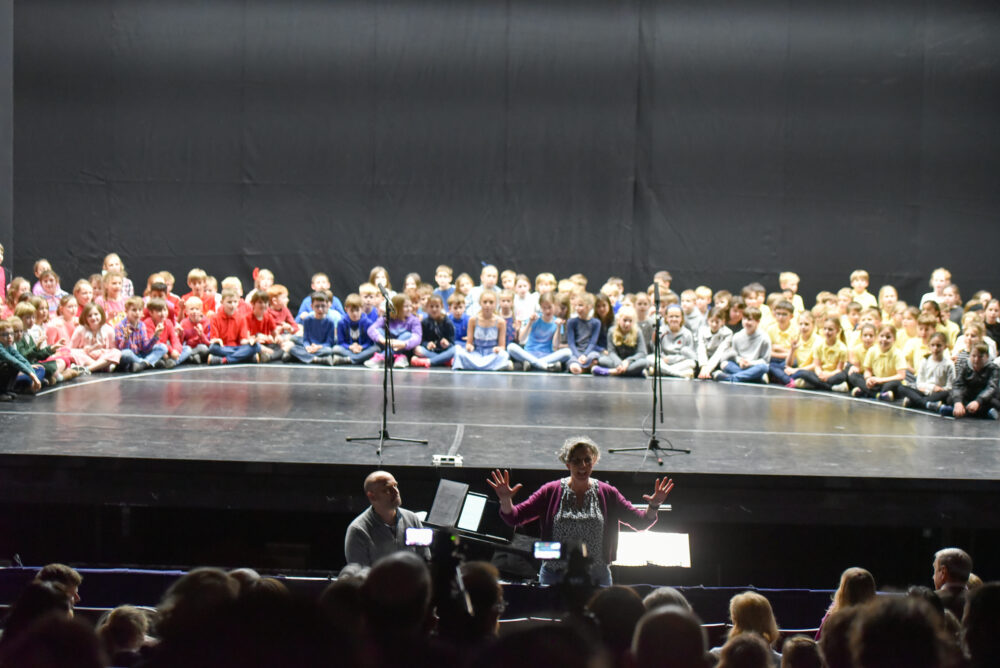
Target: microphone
{"type": "Point", "coordinates": [656, 295]}
{"type": "Point", "coordinates": [388, 299]}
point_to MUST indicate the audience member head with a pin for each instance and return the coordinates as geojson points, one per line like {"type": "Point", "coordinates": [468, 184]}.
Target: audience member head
{"type": "Point", "coordinates": [122, 630]}
{"type": "Point", "coordinates": [897, 631]}
{"type": "Point", "coordinates": [194, 599]}
{"type": "Point", "coordinates": [65, 575]}
{"type": "Point", "coordinates": [340, 605]}
{"type": "Point", "coordinates": [857, 586]}
{"type": "Point", "coordinates": [55, 642]}
{"type": "Point", "coordinates": [951, 566]}
{"type": "Point", "coordinates": [245, 577]}
{"type": "Point", "coordinates": [396, 597]}
{"type": "Point", "coordinates": [552, 646]}
{"type": "Point", "coordinates": [982, 625]}
{"type": "Point", "coordinates": [665, 596]}
{"type": "Point", "coordinates": [751, 612]}
{"type": "Point", "coordinates": [801, 652]}
{"type": "Point", "coordinates": [35, 602]}
{"type": "Point", "coordinates": [617, 610]}
{"type": "Point", "coordinates": [747, 650]}
{"type": "Point", "coordinates": [835, 642]}
{"type": "Point", "coordinates": [482, 583]}
{"type": "Point", "coordinates": [670, 636]}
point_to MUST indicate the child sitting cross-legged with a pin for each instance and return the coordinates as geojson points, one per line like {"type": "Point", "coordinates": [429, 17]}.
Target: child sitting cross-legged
{"type": "Point", "coordinates": [12, 363]}
{"type": "Point", "coordinates": [486, 350]}
{"type": "Point", "coordinates": [404, 333]}
{"type": "Point", "coordinates": [230, 340]}
{"type": "Point", "coordinates": [262, 328]}
{"type": "Point", "coordinates": [677, 352]}
{"type": "Point", "coordinates": [140, 349]}
{"type": "Point", "coordinates": [319, 334]}
{"type": "Point", "coordinates": [534, 347]}
{"type": "Point", "coordinates": [935, 377]}
{"type": "Point", "coordinates": [884, 369]}
{"type": "Point", "coordinates": [626, 353]}
{"type": "Point", "coordinates": [354, 346]}
{"type": "Point", "coordinates": [158, 320]}
{"type": "Point", "coordinates": [829, 357]}
{"type": "Point", "coordinates": [193, 331]}
{"type": "Point", "coordinates": [749, 353]}
{"type": "Point", "coordinates": [713, 340]}
{"type": "Point", "coordinates": [975, 392]}
{"type": "Point", "coordinates": [437, 346]}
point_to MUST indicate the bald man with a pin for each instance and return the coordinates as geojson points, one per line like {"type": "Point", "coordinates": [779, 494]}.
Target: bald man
{"type": "Point", "coordinates": [380, 530]}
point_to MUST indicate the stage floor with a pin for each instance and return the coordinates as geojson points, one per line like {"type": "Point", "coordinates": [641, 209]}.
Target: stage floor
{"type": "Point", "coordinates": [297, 414]}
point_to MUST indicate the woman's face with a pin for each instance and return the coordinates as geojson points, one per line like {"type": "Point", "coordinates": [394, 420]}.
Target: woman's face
{"type": "Point", "coordinates": [580, 463]}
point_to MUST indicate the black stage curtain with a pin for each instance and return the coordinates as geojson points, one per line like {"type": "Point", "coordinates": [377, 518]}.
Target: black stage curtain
{"type": "Point", "coordinates": [722, 140]}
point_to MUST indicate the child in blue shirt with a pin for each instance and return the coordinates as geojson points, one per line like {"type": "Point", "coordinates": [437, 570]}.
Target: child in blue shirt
{"type": "Point", "coordinates": [458, 317]}
{"type": "Point", "coordinates": [319, 334]}
{"type": "Point", "coordinates": [354, 346]}
{"type": "Point", "coordinates": [582, 333]}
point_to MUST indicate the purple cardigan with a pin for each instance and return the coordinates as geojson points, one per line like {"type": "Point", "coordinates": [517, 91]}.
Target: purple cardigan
{"type": "Point", "coordinates": [544, 504]}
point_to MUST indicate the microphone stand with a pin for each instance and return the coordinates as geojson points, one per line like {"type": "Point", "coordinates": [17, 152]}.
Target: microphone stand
{"type": "Point", "coordinates": [653, 446]}
{"type": "Point", "coordinates": [388, 388]}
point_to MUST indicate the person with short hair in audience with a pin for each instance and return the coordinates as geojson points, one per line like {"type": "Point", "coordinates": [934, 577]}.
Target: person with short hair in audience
{"type": "Point", "coordinates": [897, 631]}
{"type": "Point", "coordinates": [801, 652]}
{"type": "Point", "coordinates": [952, 567]}
{"type": "Point", "coordinates": [64, 575]}
{"type": "Point", "coordinates": [381, 529]}
{"type": "Point", "coordinates": [745, 651]}
{"type": "Point", "coordinates": [665, 596]}
{"type": "Point", "coordinates": [784, 335]}
{"type": "Point", "coordinates": [354, 346]}
{"type": "Point", "coordinates": [122, 633]}
{"type": "Point", "coordinates": [670, 636]}
{"type": "Point", "coordinates": [193, 331]}
{"type": "Point", "coordinates": [319, 334]}
{"type": "Point", "coordinates": [617, 609]}
{"type": "Point", "coordinates": [857, 586]}
{"type": "Point", "coordinates": [751, 613]}
{"type": "Point", "coordinates": [488, 278]}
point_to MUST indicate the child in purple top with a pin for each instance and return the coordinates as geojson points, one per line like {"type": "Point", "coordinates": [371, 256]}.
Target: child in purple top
{"type": "Point", "coordinates": [404, 333]}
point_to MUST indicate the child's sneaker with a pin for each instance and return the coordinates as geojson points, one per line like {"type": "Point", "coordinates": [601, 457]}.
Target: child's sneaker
{"type": "Point", "coordinates": [840, 387]}
{"type": "Point", "coordinates": [340, 360]}
{"type": "Point", "coordinates": [421, 362]}
{"type": "Point", "coordinates": [800, 383]}
{"type": "Point", "coordinates": [374, 360]}
{"type": "Point", "coordinates": [993, 414]}
{"type": "Point", "coordinates": [526, 366]}
{"type": "Point", "coordinates": [555, 367]}
{"type": "Point", "coordinates": [400, 361]}
{"type": "Point", "coordinates": [139, 366]}
{"type": "Point", "coordinates": [600, 371]}
{"type": "Point", "coordinates": [196, 359]}
{"type": "Point", "coordinates": [907, 403]}
{"type": "Point", "coordinates": [934, 406]}
{"type": "Point", "coordinates": [886, 396]}
{"type": "Point", "coordinates": [856, 392]}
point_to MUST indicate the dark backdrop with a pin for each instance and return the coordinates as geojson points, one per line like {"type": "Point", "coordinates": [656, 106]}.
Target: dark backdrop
{"type": "Point", "coordinates": [723, 140]}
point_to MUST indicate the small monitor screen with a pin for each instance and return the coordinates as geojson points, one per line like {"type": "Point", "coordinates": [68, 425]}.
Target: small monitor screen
{"type": "Point", "coordinates": [472, 512]}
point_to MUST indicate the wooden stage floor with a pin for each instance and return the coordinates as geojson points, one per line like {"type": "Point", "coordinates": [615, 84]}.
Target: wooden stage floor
{"type": "Point", "coordinates": [302, 414]}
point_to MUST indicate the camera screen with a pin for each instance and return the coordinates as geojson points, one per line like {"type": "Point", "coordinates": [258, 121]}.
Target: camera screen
{"type": "Point", "coordinates": [419, 536]}
{"type": "Point", "coordinates": [547, 549]}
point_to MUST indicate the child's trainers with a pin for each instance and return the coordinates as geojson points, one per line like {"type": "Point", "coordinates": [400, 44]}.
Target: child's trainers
{"type": "Point", "coordinates": [934, 406]}
{"type": "Point", "coordinates": [600, 371]}
{"type": "Point", "coordinates": [800, 383]}
{"type": "Point", "coordinates": [886, 396]}
{"type": "Point", "coordinates": [400, 361]}
{"type": "Point", "coordinates": [421, 362]}
{"type": "Point", "coordinates": [840, 387]}
{"type": "Point", "coordinates": [374, 360]}
{"type": "Point", "coordinates": [993, 414]}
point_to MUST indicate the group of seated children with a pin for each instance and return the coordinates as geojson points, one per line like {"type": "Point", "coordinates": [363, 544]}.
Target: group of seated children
{"type": "Point", "coordinates": [937, 357]}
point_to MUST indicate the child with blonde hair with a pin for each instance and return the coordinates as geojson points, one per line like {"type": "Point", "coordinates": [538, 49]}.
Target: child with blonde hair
{"type": "Point", "coordinates": [113, 263]}
{"type": "Point", "coordinates": [940, 278]}
{"type": "Point", "coordinates": [626, 352]}
{"type": "Point", "coordinates": [112, 299]}
{"type": "Point", "coordinates": [404, 334]}
{"type": "Point", "coordinates": [934, 378]}
{"type": "Point", "coordinates": [485, 350]}
{"type": "Point", "coordinates": [534, 348]}
{"type": "Point", "coordinates": [582, 332]}
{"type": "Point", "coordinates": [713, 339]}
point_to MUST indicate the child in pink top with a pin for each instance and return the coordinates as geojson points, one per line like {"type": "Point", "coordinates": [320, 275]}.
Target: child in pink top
{"type": "Point", "coordinates": [93, 342]}
{"type": "Point", "coordinates": [112, 302]}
